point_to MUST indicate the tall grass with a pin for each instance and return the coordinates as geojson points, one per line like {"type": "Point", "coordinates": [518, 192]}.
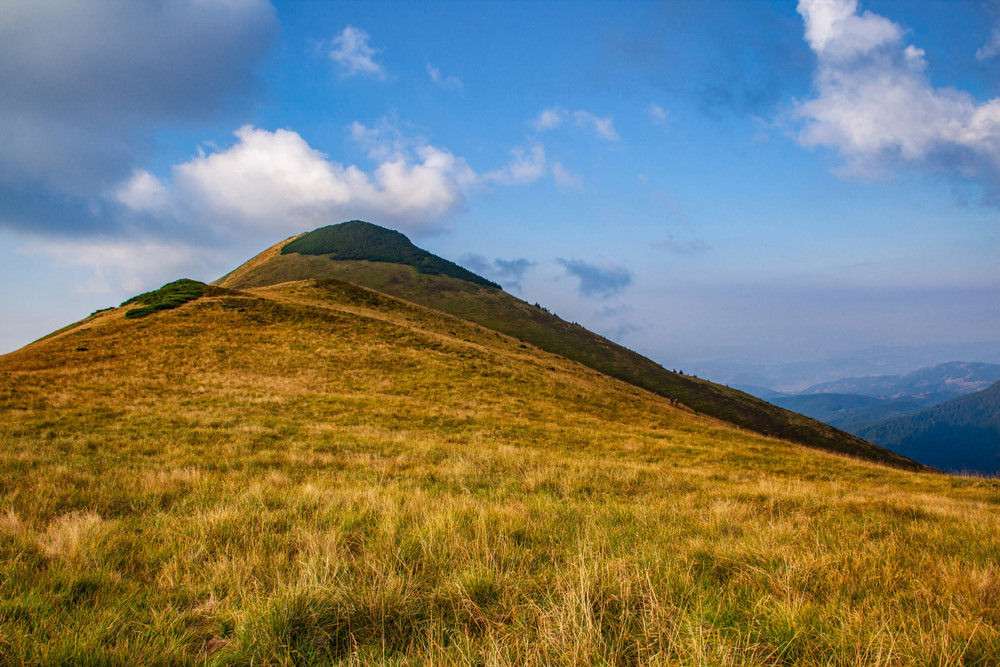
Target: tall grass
{"type": "Point", "coordinates": [322, 476]}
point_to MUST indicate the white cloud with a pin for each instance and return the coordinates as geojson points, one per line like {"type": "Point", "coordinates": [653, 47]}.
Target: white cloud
{"type": "Point", "coordinates": [555, 117]}
{"type": "Point", "coordinates": [549, 119]}
{"type": "Point", "coordinates": [991, 48]}
{"type": "Point", "coordinates": [835, 30]}
{"type": "Point", "coordinates": [142, 192]}
{"type": "Point", "coordinates": [602, 127]}
{"type": "Point", "coordinates": [354, 55]}
{"type": "Point", "coordinates": [382, 142]}
{"type": "Point", "coordinates": [657, 113]}
{"type": "Point", "coordinates": [876, 106]}
{"type": "Point", "coordinates": [564, 178]}
{"type": "Point", "coordinates": [132, 265]}
{"type": "Point", "coordinates": [275, 180]}
{"type": "Point", "coordinates": [527, 166]}
{"type": "Point", "coordinates": [446, 82]}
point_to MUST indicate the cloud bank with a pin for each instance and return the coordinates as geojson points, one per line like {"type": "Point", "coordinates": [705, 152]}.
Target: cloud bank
{"type": "Point", "coordinates": [275, 181]}
{"type": "Point", "coordinates": [86, 84]}
{"type": "Point", "coordinates": [876, 106]}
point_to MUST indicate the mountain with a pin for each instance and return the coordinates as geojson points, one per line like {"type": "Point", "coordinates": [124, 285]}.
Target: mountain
{"type": "Point", "coordinates": [961, 435]}
{"type": "Point", "coordinates": [314, 472]}
{"type": "Point", "coordinates": [396, 269]}
{"type": "Point", "coordinates": [357, 240]}
{"type": "Point", "coordinates": [851, 412]}
{"type": "Point", "coordinates": [796, 376]}
{"type": "Point", "coordinates": [938, 383]}
{"type": "Point", "coordinates": [759, 391]}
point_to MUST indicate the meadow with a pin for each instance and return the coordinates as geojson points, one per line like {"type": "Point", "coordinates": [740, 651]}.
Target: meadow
{"type": "Point", "coordinates": [320, 474]}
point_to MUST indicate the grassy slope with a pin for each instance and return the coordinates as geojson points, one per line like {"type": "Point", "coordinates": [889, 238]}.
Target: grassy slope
{"type": "Point", "coordinates": [502, 312]}
{"type": "Point", "coordinates": [324, 474]}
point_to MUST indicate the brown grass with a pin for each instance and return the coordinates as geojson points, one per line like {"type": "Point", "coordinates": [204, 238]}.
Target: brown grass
{"type": "Point", "coordinates": [289, 478]}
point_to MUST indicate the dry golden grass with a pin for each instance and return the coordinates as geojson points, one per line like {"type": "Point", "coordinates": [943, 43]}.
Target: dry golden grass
{"type": "Point", "coordinates": [307, 476]}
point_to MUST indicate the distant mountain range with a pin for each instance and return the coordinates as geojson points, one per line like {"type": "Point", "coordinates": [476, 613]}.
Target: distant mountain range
{"type": "Point", "coordinates": [852, 412]}
{"type": "Point", "coordinates": [944, 416]}
{"type": "Point", "coordinates": [959, 435]}
{"type": "Point", "coordinates": [797, 376]}
{"type": "Point", "coordinates": [938, 383]}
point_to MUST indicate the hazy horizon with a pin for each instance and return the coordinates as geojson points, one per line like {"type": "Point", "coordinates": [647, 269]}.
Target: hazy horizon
{"type": "Point", "coordinates": [706, 183]}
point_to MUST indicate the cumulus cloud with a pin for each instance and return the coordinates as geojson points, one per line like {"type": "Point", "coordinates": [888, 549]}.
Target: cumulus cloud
{"type": "Point", "coordinates": [549, 119]}
{"type": "Point", "coordinates": [446, 82]}
{"type": "Point", "coordinates": [85, 85]}
{"type": "Point", "coordinates": [527, 166]}
{"type": "Point", "coordinates": [507, 272]}
{"type": "Point", "coordinates": [275, 180]}
{"type": "Point", "coordinates": [354, 55]}
{"type": "Point", "coordinates": [143, 192]}
{"type": "Point", "coordinates": [876, 106]}
{"type": "Point", "coordinates": [834, 29]}
{"type": "Point", "coordinates": [555, 117]}
{"type": "Point", "coordinates": [601, 280]}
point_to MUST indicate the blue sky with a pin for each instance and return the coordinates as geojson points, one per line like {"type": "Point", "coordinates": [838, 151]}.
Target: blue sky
{"type": "Point", "coordinates": [752, 181]}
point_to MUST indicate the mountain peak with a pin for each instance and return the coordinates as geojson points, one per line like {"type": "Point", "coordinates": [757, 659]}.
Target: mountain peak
{"type": "Point", "coordinates": [384, 260]}
{"type": "Point", "coordinates": [358, 240]}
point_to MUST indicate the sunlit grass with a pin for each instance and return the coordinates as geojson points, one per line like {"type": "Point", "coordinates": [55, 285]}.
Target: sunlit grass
{"type": "Point", "coordinates": [329, 476]}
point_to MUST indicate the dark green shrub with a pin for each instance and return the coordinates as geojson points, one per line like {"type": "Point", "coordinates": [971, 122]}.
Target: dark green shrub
{"type": "Point", "coordinates": [363, 241]}
{"type": "Point", "coordinates": [169, 296]}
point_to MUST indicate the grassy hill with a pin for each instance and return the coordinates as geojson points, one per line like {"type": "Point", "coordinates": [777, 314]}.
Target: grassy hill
{"type": "Point", "coordinates": [361, 240]}
{"type": "Point", "coordinates": [960, 435]}
{"type": "Point", "coordinates": [495, 309]}
{"type": "Point", "coordinates": [315, 473]}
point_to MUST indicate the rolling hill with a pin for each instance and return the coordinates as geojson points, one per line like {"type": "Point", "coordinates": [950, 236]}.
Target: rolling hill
{"type": "Point", "coordinates": [314, 472]}
{"type": "Point", "coordinates": [961, 435]}
{"type": "Point", "coordinates": [396, 268]}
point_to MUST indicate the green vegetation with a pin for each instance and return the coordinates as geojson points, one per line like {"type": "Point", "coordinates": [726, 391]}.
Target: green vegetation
{"type": "Point", "coordinates": [318, 474]}
{"type": "Point", "coordinates": [497, 310]}
{"type": "Point", "coordinates": [961, 435]}
{"type": "Point", "coordinates": [359, 240]}
{"type": "Point", "coordinates": [171, 295]}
